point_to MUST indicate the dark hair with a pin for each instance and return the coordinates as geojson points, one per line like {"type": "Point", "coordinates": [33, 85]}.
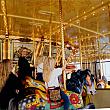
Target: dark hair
{"type": "Point", "coordinates": [20, 50]}
{"type": "Point", "coordinates": [87, 72]}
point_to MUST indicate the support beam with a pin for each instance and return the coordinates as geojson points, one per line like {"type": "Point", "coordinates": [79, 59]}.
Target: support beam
{"type": "Point", "coordinates": [56, 22]}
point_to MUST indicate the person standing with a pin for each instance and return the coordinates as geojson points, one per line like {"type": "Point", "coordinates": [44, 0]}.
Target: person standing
{"type": "Point", "coordinates": [23, 64]}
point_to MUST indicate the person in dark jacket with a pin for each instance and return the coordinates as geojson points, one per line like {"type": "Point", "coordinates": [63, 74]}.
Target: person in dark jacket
{"type": "Point", "coordinates": [10, 84]}
{"type": "Point", "coordinates": [24, 66]}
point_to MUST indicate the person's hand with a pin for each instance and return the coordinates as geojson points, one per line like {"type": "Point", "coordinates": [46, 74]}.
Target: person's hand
{"type": "Point", "coordinates": [17, 91]}
{"type": "Point", "coordinates": [35, 65]}
{"type": "Point", "coordinates": [65, 62]}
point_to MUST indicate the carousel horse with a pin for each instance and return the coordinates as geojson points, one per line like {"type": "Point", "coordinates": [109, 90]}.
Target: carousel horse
{"type": "Point", "coordinates": [39, 99]}
{"type": "Point", "coordinates": [35, 95]}
{"type": "Point", "coordinates": [78, 84]}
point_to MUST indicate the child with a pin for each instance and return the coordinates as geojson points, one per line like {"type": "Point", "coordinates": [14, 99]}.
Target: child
{"type": "Point", "coordinates": [53, 80]}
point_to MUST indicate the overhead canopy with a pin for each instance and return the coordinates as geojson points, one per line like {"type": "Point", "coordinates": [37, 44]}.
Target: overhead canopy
{"type": "Point", "coordinates": [86, 24]}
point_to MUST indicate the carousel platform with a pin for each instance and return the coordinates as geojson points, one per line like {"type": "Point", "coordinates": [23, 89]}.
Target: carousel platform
{"type": "Point", "coordinates": [102, 99]}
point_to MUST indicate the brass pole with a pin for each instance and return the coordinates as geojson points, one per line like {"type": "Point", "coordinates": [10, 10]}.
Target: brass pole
{"type": "Point", "coordinates": [34, 56]}
{"type": "Point", "coordinates": [62, 32]}
{"type": "Point", "coordinates": [80, 49]}
{"type": "Point", "coordinates": [62, 41]}
{"type": "Point", "coordinates": [50, 30]}
{"type": "Point", "coordinates": [85, 58]}
{"type": "Point", "coordinates": [3, 7]}
{"type": "Point", "coordinates": [33, 60]}
{"type": "Point", "coordinates": [6, 40]}
{"type": "Point", "coordinates": [99, 48]}
{"type": "Point", "coordinates": [81, 57]}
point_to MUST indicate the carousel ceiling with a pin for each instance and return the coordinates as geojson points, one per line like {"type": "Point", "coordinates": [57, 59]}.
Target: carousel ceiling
{"type": "Point", "coordinates": [86, 24]}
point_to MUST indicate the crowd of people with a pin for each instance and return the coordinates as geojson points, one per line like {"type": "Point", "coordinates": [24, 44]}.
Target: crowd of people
{"type": "Point", "coordinates": [13, 83]}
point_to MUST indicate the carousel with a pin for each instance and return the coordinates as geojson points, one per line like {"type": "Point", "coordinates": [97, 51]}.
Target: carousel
{"type": "Point", "coordinates": [73, 34]}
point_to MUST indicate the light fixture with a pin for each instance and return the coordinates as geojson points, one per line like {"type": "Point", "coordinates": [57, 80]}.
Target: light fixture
{"type": "Point", "coordinates": [92, 7]}
{"type": "Point", "coordinates": [85, 17]}
{"type": "Point", "coordinates": [103, 9]}
{"type": "Point", "coordinates": [78, 21]}
{"type": "Point", "coordinates": [93, 13]}
{"type": "Point", "coordinates": [84, 12]}
{"type": "Point", "coordinates": [46, 12]}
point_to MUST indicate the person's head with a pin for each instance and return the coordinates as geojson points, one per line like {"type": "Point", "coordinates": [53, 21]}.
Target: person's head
{"type": "Point", "coordinates": [23, 52]}
{"type": "Point", "coordinates": [88, 78]}
{"type": "Point", "coordinates": [7, 65]}
{"type": "Point", "coordinates": [6, 69]}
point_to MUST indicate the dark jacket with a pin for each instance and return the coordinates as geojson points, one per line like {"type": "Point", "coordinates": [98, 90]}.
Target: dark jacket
{"type": "Point", "coordinates": [24, 68]}
{"type": "Point", "coordinates": [9, 91]}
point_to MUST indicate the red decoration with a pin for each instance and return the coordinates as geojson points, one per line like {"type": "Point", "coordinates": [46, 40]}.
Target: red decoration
{"type": "Point", "coordinates": [74, 99]}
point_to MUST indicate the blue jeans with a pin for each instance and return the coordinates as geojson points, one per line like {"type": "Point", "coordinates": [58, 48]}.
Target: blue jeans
{"type": "Point", "coordinates": [66, 100]}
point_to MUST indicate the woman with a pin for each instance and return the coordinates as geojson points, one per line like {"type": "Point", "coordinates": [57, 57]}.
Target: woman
{"type": "Point", "coordinates": [24, 66]}
{"type": "Point", "coordinates": [10, 84]}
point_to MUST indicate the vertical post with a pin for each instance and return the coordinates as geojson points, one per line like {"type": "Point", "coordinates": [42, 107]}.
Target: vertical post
{"type": "Point", "coordinates": [80, 46]}
{"type": "Point", "coordinates": [99, 51]}
{"type": "Point", "coordinates": [34, 56]}
{"type": "Point", "coordinates": [80, 55]}
{"type": "Point", "coordinates": [62, 41]}
{"type": "Point", "coordinates": [50, 30]}
{"type": "Point", "coordinates": [6, 40]}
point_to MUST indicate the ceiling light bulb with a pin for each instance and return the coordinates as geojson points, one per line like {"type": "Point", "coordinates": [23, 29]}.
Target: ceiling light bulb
{"type": "Point", "coordinates": [85, 18]}
{"type": "Point", "coordinates": [93, 14]}
{"type": "Point", "coordinates": [78, 21]}
{"type": "Point", "coordinates": [92, 7]}
{"type": "Point", "coordinates": [70, 19]}
{"type": "Point", "coordinates": [103, 9]}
